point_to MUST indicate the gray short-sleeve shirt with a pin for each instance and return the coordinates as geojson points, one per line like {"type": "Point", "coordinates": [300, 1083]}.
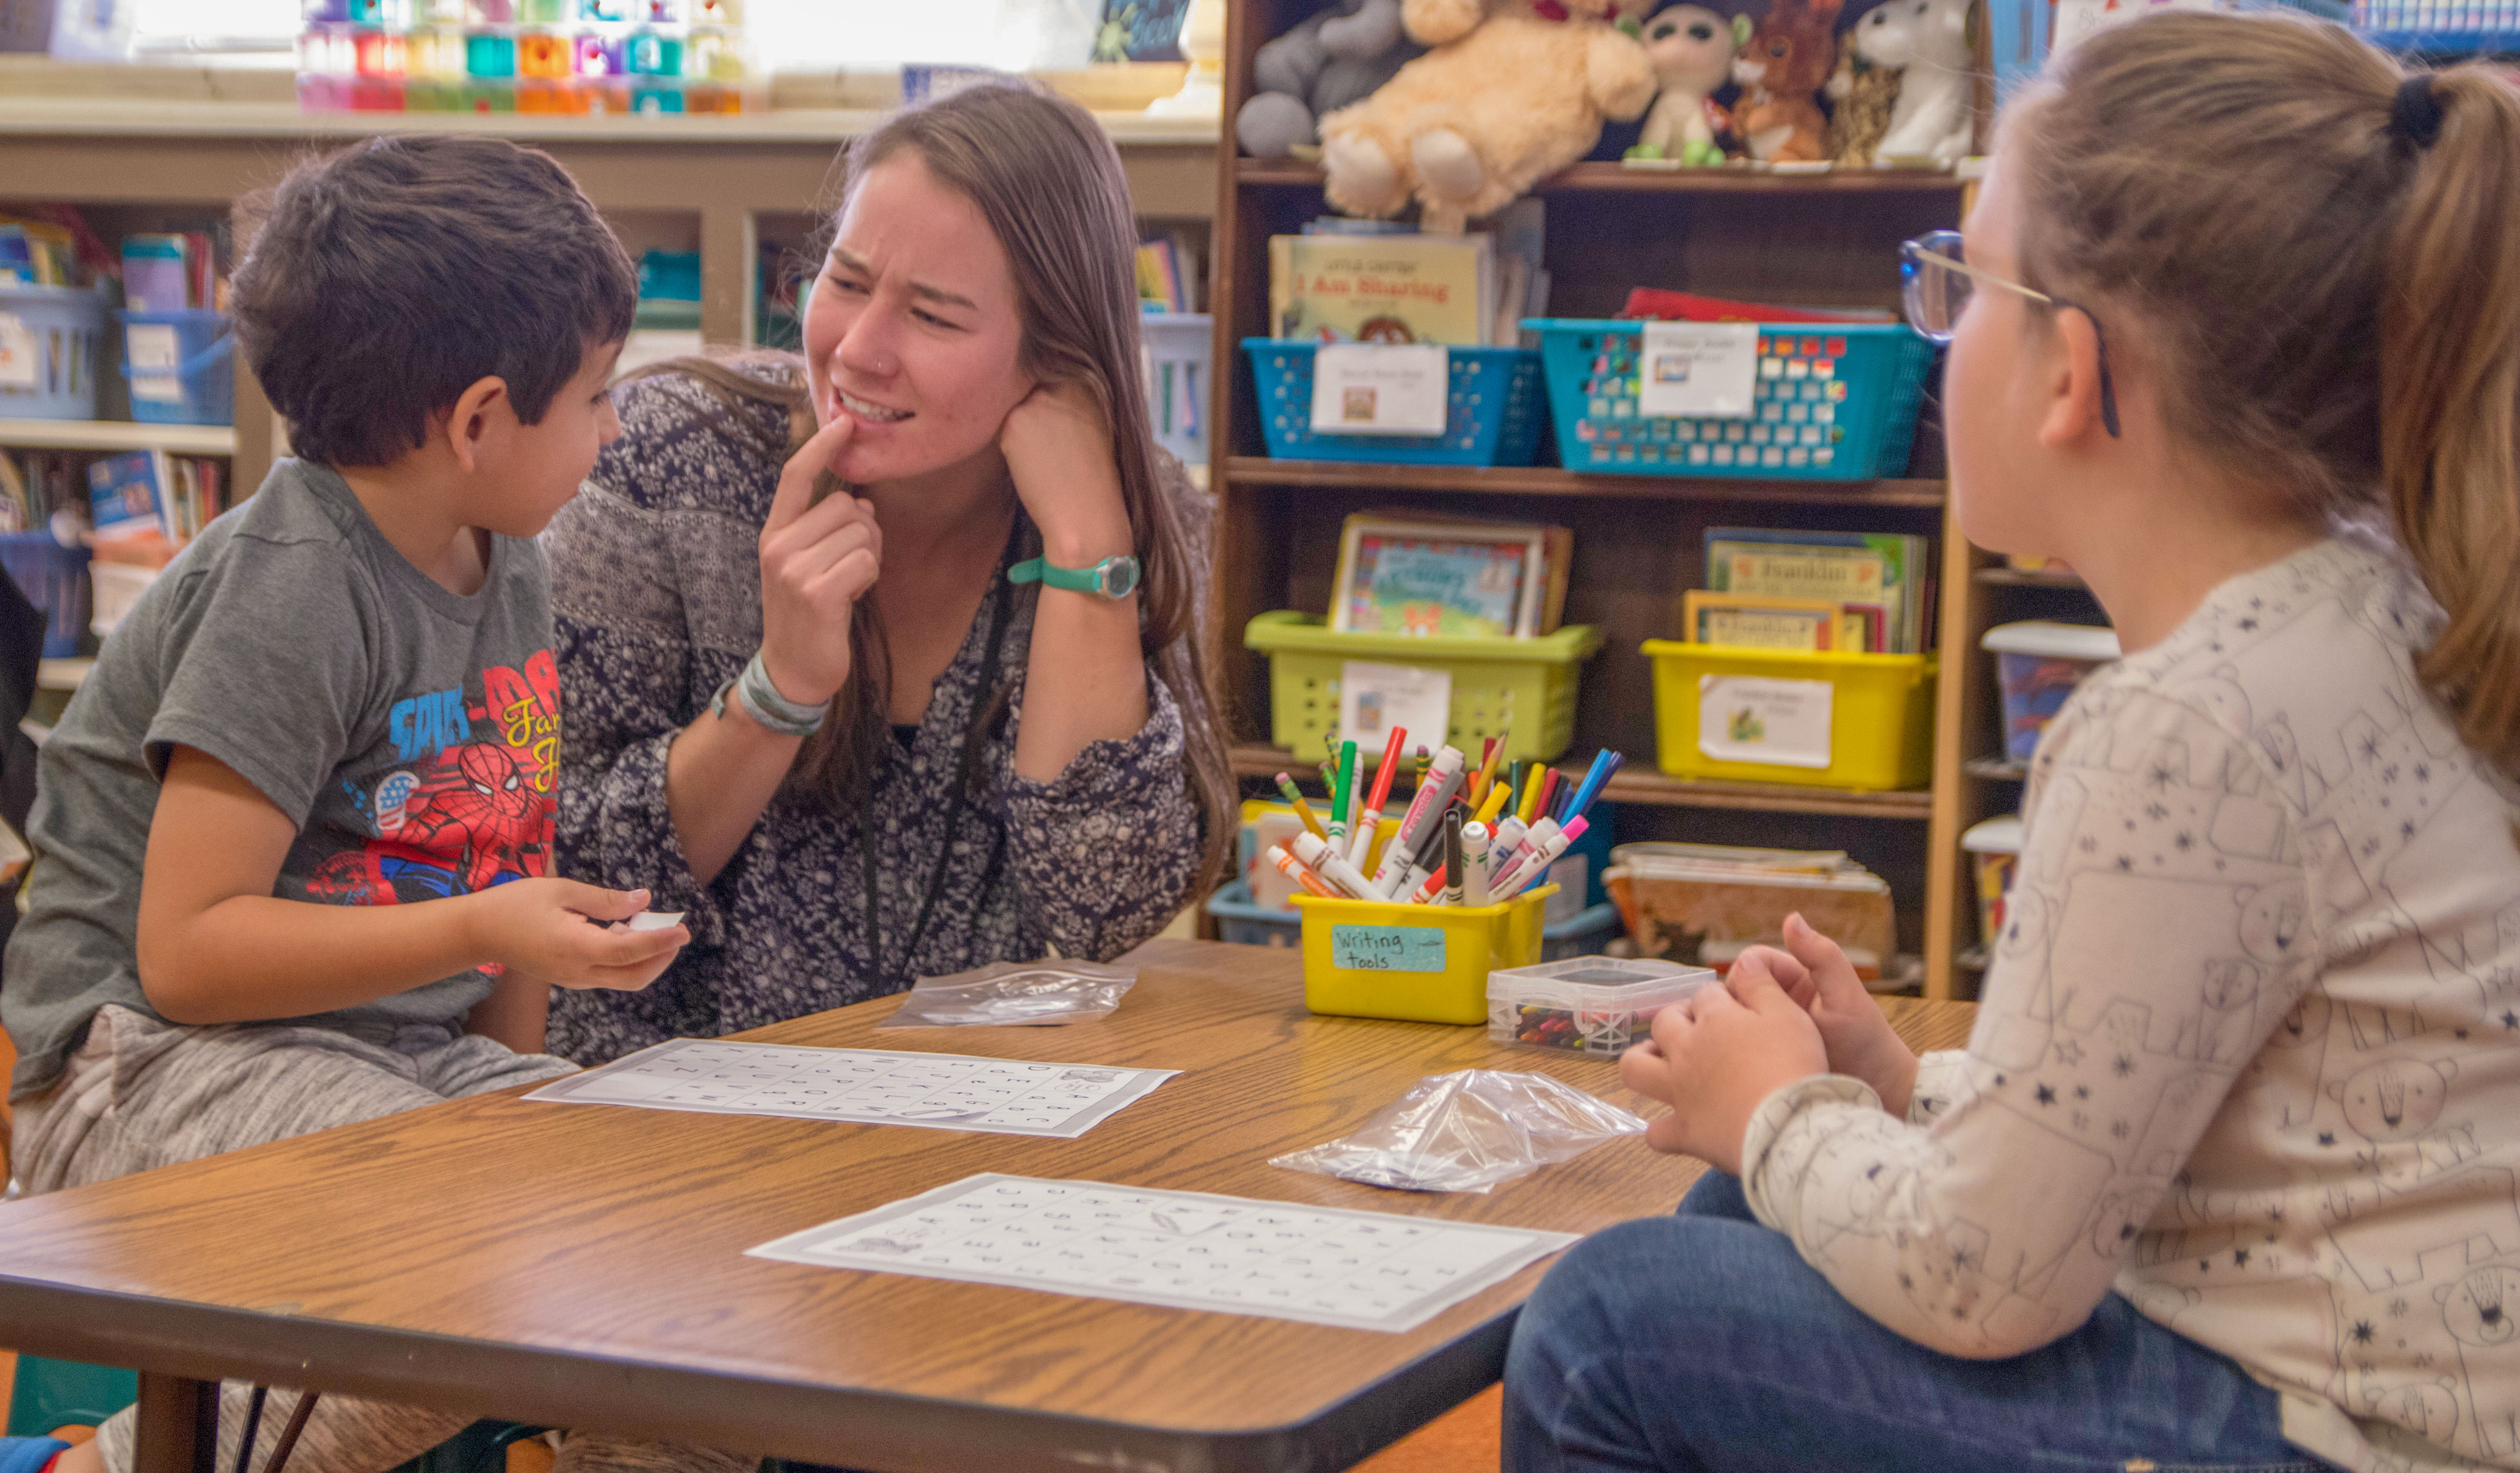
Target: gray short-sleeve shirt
{"type": "Point", "coordinates": [410, 733]}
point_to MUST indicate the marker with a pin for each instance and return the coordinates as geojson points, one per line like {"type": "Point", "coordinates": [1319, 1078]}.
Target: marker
{"type": "Point", "coordinates": [1431, 892]}
{"type": "Point", "coordinates": [1433, 791]}
{"type": "Point", "coordinates": [1303, 810]}
{"type": "Point", "coordinates": [1537, 865]}
{"type": "Point", "coordinates": [1293, 869]}
{"type": "Point", "coordinates": [1453, 858]}
{"type": "Point", "coordinates": [1427, 858]}
{"type": "Point", "coordinates": [1342, 793]}
{"type": "Point", "coordinates": [1363, 849]}
{"type": "Point", "coordinates": [1549, 780]}
{"type": "Point", "coordinates": [1498, 793]}
{"type": "Point", "coordinates": [1531, 842]}
{"type": "Point", "coordinates": [1503, 840]}
{"type": "Point", "coordinates": [1474, 864]}
{"type": "Point", "coordinates": [1327, 863]}
{"type": "Point", "coordinates": [1607, 766]}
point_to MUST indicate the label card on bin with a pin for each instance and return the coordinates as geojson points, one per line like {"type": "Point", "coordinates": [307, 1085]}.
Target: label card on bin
{"type": "Point", "coordinates": [18, 368]}
{"type": "Point", "coordinates": [1744, 719]}
{"type": "Point", "coordinates": [1387, 949]}
{"type": "Point", "coordinates": [1380, 388]}
{"type": "Point", "coordinates": [1699, 370]}
{"type": "Point", "coordinates": [1375, 698]}
{"type": "Point", "coordinates": [155, 354]}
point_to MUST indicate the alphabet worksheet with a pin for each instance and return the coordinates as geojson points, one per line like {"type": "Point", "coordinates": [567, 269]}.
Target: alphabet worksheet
{"type": "Point", "coordinates": [868, 1086]}
{"type": "Point", "coordinates": [1181, 1250]}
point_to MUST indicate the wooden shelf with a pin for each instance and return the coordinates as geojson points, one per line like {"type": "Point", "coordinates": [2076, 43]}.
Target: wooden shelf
{"type": "Point", "coordinates": [117, 435]}
{"type": "Point", "coordinates": [1997, 769]}
{"type": "Point", "coordinates": [2015, 577]}
{"type": "Point", "coordinates": [1550, 481]}
{"type": "Point", "coordinates": [1614, 178]}
{"type": "Point", "coordinates": [1649, 787]}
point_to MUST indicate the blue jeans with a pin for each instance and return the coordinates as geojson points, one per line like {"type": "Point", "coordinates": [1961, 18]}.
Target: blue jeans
{"type": "Point", "coordinates": [1702, 1340]}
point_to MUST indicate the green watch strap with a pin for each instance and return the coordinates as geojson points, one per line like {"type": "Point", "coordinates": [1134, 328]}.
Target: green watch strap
{"type": "Point", "coordinates": [1112, 578]}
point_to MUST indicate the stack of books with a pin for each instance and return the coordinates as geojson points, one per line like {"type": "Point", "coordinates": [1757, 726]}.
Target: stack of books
{"type": "Point", "coordinates": [38, 486]}
{"type": "Point", "coordinates": [170, 272]}
{"type": "Point", "coordinates": [1168, 274]}
{"type": "Point", "coordinates": [146, 503]}
{"type": "Point", "coordinates": [1818, 591]}
{"type": "Point", "coordinates": [38, 253]}
{"type": "Point", "coordinates": [1705, 903]}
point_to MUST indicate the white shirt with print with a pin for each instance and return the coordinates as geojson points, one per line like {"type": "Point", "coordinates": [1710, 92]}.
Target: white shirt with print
{"type": "Point", "coordinates": [2249, 1048]}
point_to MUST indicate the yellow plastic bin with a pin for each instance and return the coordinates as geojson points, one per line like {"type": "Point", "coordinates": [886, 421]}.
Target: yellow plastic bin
{"type": "Point", "coordinates": [1521, 689]}
{"type": "Point", "coordinates": [1863, 723]}
{"type": "Point", "coordinates": [1421, 963]}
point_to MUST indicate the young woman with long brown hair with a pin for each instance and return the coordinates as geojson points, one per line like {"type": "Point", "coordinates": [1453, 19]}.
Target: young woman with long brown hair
{"type": "Point", "coordinates": [931, 693]}
{"type": "Point", "coordinates": [2225, 1177]}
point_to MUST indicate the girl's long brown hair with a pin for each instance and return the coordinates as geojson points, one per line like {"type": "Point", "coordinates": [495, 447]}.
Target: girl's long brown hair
{"type": "Point", "coordinates": [2332, 303]}
{"type": "Point", "coordinates": [1049, 182]}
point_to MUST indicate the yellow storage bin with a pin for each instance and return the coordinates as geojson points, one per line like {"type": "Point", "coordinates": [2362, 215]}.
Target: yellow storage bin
{"type": "Point", "coordinates": [1860, 721]}
{"type": "Point", "coordinates": [1423, 963]}
{"type": "Point", "coordinates": [1522, 690]}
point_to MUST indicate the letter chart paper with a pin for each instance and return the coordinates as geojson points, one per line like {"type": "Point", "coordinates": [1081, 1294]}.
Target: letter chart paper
{"type": "Point", "coordinates": [1358, 1270]}
{"type": "Point", "coordinates": [868, 1086]}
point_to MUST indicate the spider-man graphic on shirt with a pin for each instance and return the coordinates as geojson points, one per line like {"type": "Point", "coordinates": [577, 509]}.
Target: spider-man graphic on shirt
{"type": "Point", "coordinates": [475, 805]}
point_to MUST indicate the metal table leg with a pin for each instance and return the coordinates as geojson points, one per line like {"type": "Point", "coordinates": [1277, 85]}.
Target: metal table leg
{"type": "Point", "coordinates": [178, 1429]}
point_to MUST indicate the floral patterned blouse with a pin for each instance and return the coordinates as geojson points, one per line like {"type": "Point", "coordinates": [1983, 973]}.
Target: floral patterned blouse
{"type": "Point", "coordinates": [656, 596]}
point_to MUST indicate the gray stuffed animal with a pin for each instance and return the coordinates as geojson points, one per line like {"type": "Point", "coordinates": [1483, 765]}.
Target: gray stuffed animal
{"type": "Point", "coordinates": [1329, 60]}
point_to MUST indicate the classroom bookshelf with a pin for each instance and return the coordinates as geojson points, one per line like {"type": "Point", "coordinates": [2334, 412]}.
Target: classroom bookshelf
{"type": "Point", "coordinates": [1816, 240]}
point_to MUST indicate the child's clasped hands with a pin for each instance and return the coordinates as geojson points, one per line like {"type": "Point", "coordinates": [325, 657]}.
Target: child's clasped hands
{"type": "Point", "coordinates": [1780, 1016]}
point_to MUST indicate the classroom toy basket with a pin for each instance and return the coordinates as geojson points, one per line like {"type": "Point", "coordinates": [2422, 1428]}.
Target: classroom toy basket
{"type": "Point", "coordinates": [181, 367]}
{"type": "Point", "coordinates": [1419, 963]}
{"type": "Point", "coordinates": [1493, 417]}
{"type": "Point", "coordinates": [1177, 348]}
{"type": "Point", "coordinates": [1245, 924]}
{"type": "Point", "coordinates": [1878, 712]}
{"type": "Point", "coordinates": [1834, 402]}
{"type": "Point", "coordinates": [51, 342]}
{"type": "Point", "coordinates": [53, 580]}
{"type": "Point", "coordinates": [1522, 690]}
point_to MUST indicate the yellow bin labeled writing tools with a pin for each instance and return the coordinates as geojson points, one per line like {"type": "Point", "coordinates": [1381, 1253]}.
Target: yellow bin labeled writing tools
{"type": "Point", "coordinates": [1421, 963]}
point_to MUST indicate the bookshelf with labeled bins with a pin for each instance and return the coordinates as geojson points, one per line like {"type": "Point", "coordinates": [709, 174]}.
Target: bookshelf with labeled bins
{"type": "Point", "coordinates": [1809, 240]}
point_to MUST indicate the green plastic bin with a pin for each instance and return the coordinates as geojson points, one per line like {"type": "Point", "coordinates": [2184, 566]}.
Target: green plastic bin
{"type": "Point", "coordinates": [1522, 690]}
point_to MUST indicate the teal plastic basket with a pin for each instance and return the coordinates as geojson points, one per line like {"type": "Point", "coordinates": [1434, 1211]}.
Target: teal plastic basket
{"type": "Point", "coordinates": [1493, 415]}
{"type": "Point", "coordinates": [1834, 402]}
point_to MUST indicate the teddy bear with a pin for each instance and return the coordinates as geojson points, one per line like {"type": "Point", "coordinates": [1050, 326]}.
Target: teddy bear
{"type": "Point", "coordinates": [1862, 91]}
{"type": "Point", "coordinates": [1788, 58]}
{"type": "Point", "coordinates": [1328, 61]}
{"type": "Point", "coordinates": [1692, 50]}
{"type": "Point", "coordinates": [1930, 43]}
{"type": "Point", "coordinates": [1510, 92]}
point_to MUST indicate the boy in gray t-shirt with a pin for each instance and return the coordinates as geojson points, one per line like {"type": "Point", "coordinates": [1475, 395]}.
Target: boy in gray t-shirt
{"type": "Point", "coordinates": [293, 836]}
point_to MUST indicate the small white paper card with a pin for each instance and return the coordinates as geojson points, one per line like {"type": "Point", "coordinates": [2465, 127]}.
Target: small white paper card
{"type": "Point", "coordinates": [155, 354]}
{"type": "Point", "coordinates": [1744, 719]}
{"type": "Point", "coordinates": [1697, 370]}
{"type": "Point", "coordinates": [1375, 698]}
{"type": "Point", "coordinates": [1380, 388]}
{"type": "Point", "coordinates": [17, 352]}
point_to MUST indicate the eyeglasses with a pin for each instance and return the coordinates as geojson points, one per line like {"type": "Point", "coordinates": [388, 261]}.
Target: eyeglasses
{"type": "Point", "coordinates": [1935, 284]}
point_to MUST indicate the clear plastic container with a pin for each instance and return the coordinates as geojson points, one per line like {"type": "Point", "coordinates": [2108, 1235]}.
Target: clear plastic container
{"type": "Point", "coordinates": [1585, 1004]}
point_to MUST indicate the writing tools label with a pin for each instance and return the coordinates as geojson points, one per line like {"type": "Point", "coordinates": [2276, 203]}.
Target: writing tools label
{"type": "Point", "coordinates": [1387, 949]}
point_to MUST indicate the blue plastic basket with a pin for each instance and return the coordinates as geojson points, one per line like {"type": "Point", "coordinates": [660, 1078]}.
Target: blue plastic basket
{"type": "Point", "coordinates": [1237, 920]}
{"type": "Point", "coordinates": [1834, 402]}
{"type": "Point", "coordinates": [49, 346]}
{"type": "Point", "coordinates": [54, 578]}
{"type": "Point", "coordinates": [198, 386]}
{"type": "Point", "coordinates": [1493, 417]}
{"type": "Point", "coordinates": [1177, 352]}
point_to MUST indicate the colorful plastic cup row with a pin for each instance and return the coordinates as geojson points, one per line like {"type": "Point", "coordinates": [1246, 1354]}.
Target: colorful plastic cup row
{"type": "Point", "coordinates": [448, 54]}
{"type": "Point", "coordinates": [403, 15]}
{"type": "Point", "coordinates": [499, 94]}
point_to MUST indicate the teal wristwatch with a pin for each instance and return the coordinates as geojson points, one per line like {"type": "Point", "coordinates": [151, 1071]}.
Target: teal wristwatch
{"type": "Point", "coordinates": [1112, 577]}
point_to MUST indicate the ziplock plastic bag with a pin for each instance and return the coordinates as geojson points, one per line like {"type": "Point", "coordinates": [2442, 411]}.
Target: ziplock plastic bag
{"type": "Point", "coordinates": [1468, 1131]}
{"type": "Point", "coordinates": [1015, 994]}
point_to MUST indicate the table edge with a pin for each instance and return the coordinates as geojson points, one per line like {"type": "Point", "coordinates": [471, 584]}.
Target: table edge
{"type": "Point", "coordinates": [714, 1407]}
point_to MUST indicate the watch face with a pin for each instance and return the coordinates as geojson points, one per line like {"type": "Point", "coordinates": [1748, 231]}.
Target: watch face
{"type": "Point", "coordinates": [1119, 576]}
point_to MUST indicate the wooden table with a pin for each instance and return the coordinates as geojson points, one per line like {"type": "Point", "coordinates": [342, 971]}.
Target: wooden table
{"type": "Point", "coordinates": [584, 1266]}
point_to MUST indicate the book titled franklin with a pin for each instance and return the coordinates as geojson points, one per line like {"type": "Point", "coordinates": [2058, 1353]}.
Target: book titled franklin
{"type": "Point", "coordinates": [1381, 288]}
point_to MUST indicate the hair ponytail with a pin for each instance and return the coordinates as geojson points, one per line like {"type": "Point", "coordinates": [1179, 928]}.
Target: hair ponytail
{"type": "Point", "coordinates": [2319, 248]}
{"type": "Point", "coordinates": [2450, 395]}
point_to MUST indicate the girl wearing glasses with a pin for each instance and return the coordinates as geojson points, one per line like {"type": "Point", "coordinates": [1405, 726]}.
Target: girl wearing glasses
{"type": "Point", "coordinates": [2229, 1175]}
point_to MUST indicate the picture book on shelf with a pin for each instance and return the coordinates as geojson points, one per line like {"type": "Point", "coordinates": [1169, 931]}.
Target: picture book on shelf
{"type": "Point", "coordinates": [1862, 570]}
{"type": "Point", "coordinates": [1754, 621]}
{"type": "Point", "coordinates": [1381, 289]}
{"type": "Point", "coordinates": [1452, 577]}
